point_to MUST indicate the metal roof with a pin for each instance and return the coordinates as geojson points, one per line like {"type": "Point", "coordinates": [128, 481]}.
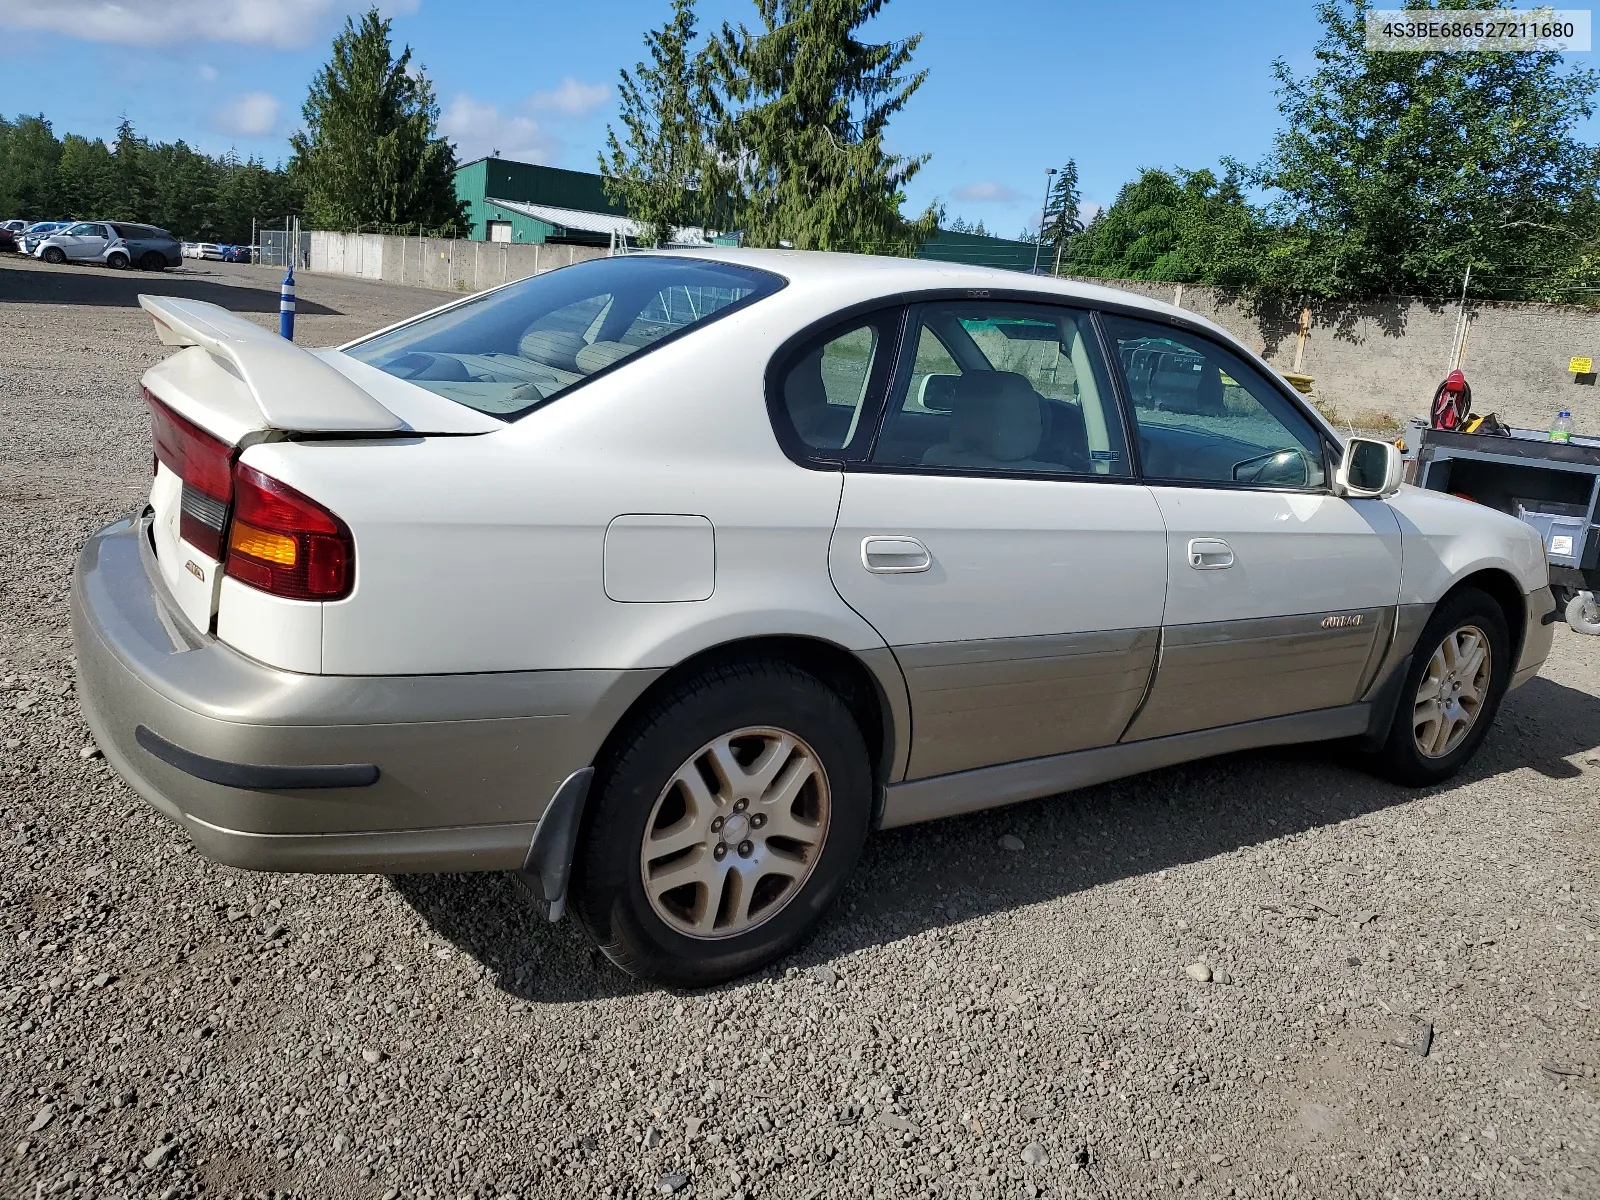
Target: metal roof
{"type": "Point", "coordinates": [592, 222]}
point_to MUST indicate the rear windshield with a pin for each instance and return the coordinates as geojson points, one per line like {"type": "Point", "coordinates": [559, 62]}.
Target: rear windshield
{"type": "Point", "coordinates": [511, 350]}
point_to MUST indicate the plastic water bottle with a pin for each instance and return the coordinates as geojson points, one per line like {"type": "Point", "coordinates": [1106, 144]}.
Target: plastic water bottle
{"type": "Point", "coordinates": [1561, 431]}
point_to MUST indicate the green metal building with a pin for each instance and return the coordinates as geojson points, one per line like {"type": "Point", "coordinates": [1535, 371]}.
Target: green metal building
{"type": "Point", "coordinates": [521, 202]}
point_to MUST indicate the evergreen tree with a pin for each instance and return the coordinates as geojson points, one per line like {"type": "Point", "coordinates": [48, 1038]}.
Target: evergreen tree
{"type": "Point", "coordinates": [1061, 220]}
{"type": "Point", "coordinates": [660, 169]}
{"type": "Point", "coordinates": [370, 152]}
{"type": "Point", "coordinates": [130, 178]}
{"type": "Point", "coordinates": [802, 113]}
{"type": "Point", "coordinates": [85, 178]}
{"type": "Point", "coordinates": [30, 158]}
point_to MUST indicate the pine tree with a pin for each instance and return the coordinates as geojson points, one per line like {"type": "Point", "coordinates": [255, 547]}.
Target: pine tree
{"type": "Point", "coordinates": [660, 171]}
{"type": "Point", "coordinates": [1061, 220]}
{"type": "Point", "coordinates": [370, 151]}
{"type": "Point", "coordinates": [803, 110]}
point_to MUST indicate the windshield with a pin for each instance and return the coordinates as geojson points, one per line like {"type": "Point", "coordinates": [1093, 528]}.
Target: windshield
{"type": "Point", "coordinates": [512, 349]}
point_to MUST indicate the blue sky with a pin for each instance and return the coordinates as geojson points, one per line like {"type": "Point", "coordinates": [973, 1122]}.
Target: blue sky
{"type": "Point", "coordinates": [1014, 86]}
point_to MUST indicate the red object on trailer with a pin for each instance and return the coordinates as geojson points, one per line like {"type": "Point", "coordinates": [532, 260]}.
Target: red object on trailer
{"type": "Point", "coordinates": [1452, 401]}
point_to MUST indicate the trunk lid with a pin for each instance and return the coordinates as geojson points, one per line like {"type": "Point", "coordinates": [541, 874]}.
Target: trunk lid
{"type": "Point", "coordinates": [237, 384]}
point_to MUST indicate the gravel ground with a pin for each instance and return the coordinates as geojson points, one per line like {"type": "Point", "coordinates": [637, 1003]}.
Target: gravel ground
{"type": "Point", "coordinates": [1267, 975]}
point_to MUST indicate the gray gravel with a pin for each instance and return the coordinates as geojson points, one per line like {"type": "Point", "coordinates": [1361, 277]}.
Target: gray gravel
{"type": "Point", "coordinates": [1005, 1005]}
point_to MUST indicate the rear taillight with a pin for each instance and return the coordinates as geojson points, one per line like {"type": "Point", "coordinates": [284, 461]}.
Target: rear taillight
{"type": "Point", "coordinates": [285, 543]}
{"type": "Point", "coordinates": [203, 464]}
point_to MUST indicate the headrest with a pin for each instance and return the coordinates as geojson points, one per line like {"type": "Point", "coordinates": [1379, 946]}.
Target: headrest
{"type": "Point", "coordinates": [995, 413]}
{"type": "Point", "coordinates": [598, 355]}
{"type": "Point", "coordinates": [554, 347]}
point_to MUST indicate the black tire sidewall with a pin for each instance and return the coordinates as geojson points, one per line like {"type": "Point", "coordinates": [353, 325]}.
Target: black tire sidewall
{"type": "Point", "coordinates": [609, 889]}
{"type": "Point", "coordinates": [1408, 764]}
{"type": "Point", "coordinates": [152, 261]}
{"type": "Point", "coordinates": [117, 262]}
{"type": "Point", "coordinates": [54, 256]}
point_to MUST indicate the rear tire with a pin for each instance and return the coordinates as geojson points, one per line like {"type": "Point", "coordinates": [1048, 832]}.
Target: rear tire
{"type": "Point", "coordinates": [153, 261]}
{"type": "Point", "coordinates": [1452, 691]}
{"type": "Point", "coordinates": [752, 783]}
{"type": "Point", "coordinates": [117, 262]}
{"type": "Point", "coordinates": [54, 255]}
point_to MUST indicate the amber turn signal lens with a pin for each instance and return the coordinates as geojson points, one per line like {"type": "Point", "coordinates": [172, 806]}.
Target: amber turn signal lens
{"type": "Point", "coordinates": [276, 548]}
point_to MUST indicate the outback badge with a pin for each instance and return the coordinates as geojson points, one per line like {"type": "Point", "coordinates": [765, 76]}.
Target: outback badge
{"type": "Point", "coordinates": [1340, 621]}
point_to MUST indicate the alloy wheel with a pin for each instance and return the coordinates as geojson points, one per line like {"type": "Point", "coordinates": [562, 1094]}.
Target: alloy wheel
{"type": "Point", "coordinates": [1452, 691]}
{"type": "Point", "coordinates": [736, 833]}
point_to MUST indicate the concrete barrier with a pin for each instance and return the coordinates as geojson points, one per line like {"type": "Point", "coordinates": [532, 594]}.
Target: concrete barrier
{"type": "Point", "coordinates": [448, 264]}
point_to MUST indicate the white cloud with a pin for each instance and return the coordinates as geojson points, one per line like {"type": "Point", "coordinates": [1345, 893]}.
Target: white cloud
{"type": "Point", "coordinates": [276, 23]}
{"type": "Point", "coordinates": [1089, 210]}
{"type": "Point", "coordinates": [208, 73]}
{"type": "Point", "coordinates": [479, 128]}
{"type": "Point", "coordinates": [987, 192]}
{"type": "Point", "coordinates": [252, 115]}
{"type": "Point", "coordinates": [573, 98]}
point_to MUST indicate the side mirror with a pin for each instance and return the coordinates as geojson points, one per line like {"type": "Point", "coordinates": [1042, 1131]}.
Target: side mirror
{"type": "Point", "coordinates": [1369, 470]}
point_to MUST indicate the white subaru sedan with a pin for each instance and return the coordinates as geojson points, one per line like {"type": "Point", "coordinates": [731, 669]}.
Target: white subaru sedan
{"type": "Point", "coordinates": [666, 579]}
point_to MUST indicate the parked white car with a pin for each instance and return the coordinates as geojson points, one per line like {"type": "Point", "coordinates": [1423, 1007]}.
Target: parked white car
{"type": "Point", "coordinates": [666, 578]}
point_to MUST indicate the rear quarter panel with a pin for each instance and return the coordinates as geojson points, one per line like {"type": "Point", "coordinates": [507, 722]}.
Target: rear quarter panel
{"type": "Point", "coordinates": [488, 553]}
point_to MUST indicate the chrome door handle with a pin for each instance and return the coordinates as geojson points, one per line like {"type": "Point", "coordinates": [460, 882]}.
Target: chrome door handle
{"type": "Point", "coordinates": [1210, 554]}
{"type": "Point", "coordinates": [895, 555]}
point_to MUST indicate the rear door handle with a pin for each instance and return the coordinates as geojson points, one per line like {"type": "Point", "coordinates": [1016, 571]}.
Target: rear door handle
{"type": "Point", "coordinates": [894, 555]}
{"type": "Point", "coordinates": [1210, 554]}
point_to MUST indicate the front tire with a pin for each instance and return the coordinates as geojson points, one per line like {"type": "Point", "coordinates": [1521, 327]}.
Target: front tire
{"type": "Point", "coordinates": [54, 255]}
{"type": "Point", "coordinates": [724, 826]}
{"type": "Point", "coordinates": [1451, 693]}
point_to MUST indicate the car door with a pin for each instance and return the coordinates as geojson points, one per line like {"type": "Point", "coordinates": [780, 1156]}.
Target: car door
{"type": "Point", "coordinates": [1280, 595]}
{"type": "Point", "coordinates": [995, 536]}
{"type": "Point", "coordinates": [88, 240]}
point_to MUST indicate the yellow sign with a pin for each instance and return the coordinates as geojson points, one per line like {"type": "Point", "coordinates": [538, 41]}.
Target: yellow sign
{"type": "Point", "coordinates": [1581, 366]}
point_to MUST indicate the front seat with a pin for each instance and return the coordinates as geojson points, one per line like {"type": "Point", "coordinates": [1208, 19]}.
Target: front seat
{"type": "Point", "coordinates": [995, 422]}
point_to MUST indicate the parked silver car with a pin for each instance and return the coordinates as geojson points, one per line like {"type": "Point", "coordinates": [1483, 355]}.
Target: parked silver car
{"type": "Point", "coordinates": [118, 245]}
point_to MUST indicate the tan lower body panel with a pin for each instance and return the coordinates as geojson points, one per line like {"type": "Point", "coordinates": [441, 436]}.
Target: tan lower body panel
{"type": "Point", "coordinates": [1228, 672]}
{"type": "Point", "coordinates": [998, 700]}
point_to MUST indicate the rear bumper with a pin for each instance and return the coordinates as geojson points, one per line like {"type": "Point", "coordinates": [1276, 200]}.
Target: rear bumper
{"type": "Point", "coordinates": [1538, 635]}
{"type": "Point", "coordinates": [272, 770]}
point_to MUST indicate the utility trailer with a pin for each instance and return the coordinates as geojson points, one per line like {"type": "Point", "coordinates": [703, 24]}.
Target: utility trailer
{"type": "Point", "coordinates": [1553, 486]}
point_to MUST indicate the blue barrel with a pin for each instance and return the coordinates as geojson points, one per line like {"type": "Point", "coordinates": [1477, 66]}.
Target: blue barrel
{"type": "Point", "coordinates": [286, 306]}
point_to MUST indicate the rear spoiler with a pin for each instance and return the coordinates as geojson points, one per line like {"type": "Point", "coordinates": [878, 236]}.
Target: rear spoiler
{"type": "Point", "coordinates": [293, 387]}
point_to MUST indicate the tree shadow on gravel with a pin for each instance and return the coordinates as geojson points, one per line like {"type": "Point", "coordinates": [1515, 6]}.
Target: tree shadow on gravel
{"type": "Point", "coordinates": [949, 871]}
{"type": "Point", "coordinates": [26, 282]}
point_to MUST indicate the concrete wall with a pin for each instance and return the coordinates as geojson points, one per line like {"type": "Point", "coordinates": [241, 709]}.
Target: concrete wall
{"type": "Point", "coordinates": [1388, 356]}
{"type": "Point", "coordinates": [444, 263]}
{"type": "Point", "coordinates": [1371, 360]}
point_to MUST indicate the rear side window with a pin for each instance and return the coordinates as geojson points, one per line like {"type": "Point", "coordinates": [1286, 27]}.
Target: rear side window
{"type": "Point", "coordinates": [1004, 388]}
{"type": "Point", "coordinates": [513, 349]}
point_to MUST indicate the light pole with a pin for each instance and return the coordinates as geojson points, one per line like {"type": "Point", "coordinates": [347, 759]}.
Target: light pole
{"type": "Point", "coordinates": [1044, 215]}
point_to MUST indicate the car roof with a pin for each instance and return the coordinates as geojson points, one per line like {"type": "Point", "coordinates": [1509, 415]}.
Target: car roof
{"type": "Point", "coordinates": [888, 277]}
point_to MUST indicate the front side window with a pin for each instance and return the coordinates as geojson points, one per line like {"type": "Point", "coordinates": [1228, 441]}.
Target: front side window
{"type": "Point", "coordinates": [1003, 387]}
{"type": "Point", "coordinates": [83, 230]}
{"type": "Point", "coordinates": [511, 350]}
{"type": "Point", "coordinates": [1207, 416]}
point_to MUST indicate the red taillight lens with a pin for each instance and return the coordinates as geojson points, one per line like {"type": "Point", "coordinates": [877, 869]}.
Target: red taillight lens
{"type": "Point", "coordinates": [285, 543]}
{"type": "Point", "coordinates": [203, 463]}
